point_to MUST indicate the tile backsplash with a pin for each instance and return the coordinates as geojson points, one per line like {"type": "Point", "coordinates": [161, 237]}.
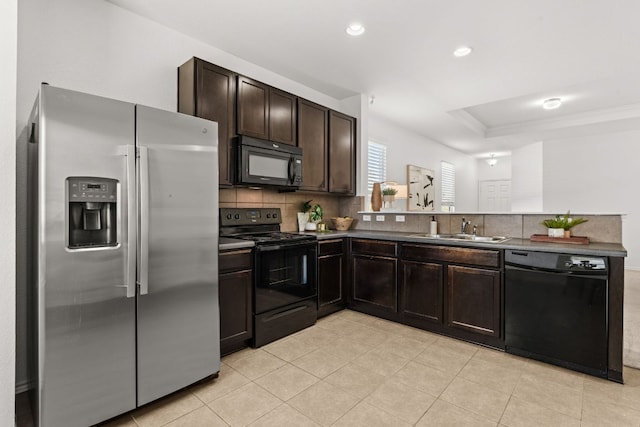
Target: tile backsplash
{"type": "Point", "coordinates": [599, 228]}
{"type": "Point", "coordinates": [289, 203]}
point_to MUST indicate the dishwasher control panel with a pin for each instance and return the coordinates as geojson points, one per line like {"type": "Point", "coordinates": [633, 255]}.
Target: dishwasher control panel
{"type": "Point", "coordinates": [556, 261]}
{"type": "Point", "coordinates": [585, 263]}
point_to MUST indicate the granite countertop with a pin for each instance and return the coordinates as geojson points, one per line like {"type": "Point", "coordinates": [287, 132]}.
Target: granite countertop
{"type": "Point", "coordinates": [602, 249]}
{"type": "Point", "coordinates": [226, 243]}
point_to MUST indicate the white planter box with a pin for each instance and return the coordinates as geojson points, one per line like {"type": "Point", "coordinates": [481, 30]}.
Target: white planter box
{"type": "Point", "coordinates": [556, 232]}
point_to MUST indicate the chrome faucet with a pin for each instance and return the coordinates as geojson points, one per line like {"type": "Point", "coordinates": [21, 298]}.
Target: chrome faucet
{"type": "Point", "coordinates": [465, 223]}
{"type": "Point", "coordinates": [475, 229]}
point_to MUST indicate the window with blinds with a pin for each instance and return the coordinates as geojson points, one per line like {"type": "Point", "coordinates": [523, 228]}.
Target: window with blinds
{"type": "Point", "coordinates": [376, 164]}
{"type": "Point", "coordinates": [448, 195]}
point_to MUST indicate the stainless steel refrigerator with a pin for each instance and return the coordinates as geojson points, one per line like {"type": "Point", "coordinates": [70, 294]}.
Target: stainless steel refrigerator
{"type": "Point", "coordinates": [124, 254]}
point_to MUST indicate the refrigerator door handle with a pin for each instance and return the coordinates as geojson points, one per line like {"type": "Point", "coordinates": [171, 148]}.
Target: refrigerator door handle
{"type": "Point", "coordinates": [143, 279]}
{"type": "Point", "coordinates": [130, 264]}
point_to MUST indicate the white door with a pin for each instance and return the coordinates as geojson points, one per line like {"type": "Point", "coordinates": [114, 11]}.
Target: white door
{"type": "Point", "coordinates": [494, 196]}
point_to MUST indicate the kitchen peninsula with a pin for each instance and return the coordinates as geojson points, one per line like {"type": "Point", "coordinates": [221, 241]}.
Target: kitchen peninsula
{"type": "Point", "coordinates": [456, 288]}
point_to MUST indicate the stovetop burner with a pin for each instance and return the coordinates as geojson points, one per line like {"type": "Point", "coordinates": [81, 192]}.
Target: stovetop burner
{"type": "Point", "coordinates": [261, 225]}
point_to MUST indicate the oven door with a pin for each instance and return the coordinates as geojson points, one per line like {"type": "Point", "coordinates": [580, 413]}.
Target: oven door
{"type": "Point", "coordinates": [284, 274]}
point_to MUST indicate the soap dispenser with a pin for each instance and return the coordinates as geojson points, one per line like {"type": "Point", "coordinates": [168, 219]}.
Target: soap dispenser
{"type": "Point", "coordinates": [433, 229]}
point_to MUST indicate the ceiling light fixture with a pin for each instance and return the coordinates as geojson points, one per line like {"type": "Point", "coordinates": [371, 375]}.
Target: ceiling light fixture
{"type": "Point", "coordinates": [355, 29]}
{"type": "Point", "coordinates": [492, 161]}
{"type": "Point", "coordinates": [551, 103]}
{"type": "Point", "coordinates": [462, 51]}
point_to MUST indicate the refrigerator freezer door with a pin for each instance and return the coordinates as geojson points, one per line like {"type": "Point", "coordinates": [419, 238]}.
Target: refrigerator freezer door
{"type": "Point", "coordinates": [178, 320]}
{"type": "Point", "coordinates": [86, 323]}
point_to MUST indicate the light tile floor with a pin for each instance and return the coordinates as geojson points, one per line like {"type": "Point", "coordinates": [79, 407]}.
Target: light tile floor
{"type": "Point", "coordinates": [351, 369]}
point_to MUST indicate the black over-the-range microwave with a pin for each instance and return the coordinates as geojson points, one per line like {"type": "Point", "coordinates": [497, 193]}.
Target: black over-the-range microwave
{"type": "Point", "coordinates": [264, 163]}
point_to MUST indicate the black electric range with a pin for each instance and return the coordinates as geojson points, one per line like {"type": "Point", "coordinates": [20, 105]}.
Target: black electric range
{"type": "Point", "coordinates": [284, 273]}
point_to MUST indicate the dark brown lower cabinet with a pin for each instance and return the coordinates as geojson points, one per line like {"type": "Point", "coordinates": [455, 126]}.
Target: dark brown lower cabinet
{"type": "Point", "coordinates": [374, 282]}
{"type": "Point", "coordinates": [452, 290]}
{"type": "Point", "coordinates": [331, 276]}
{"type": "Point", "coordinates": [374, 277]}
{"type": "Point", "coordinates": [421, 291]}
{"type": "Point", "coordinates": [235, 293]}
{"type": "Point", "coordinates": [474, 300]}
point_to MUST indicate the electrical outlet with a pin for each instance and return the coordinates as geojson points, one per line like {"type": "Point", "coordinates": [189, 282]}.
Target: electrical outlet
{"type": "Point", "coordinates": [380, 218]}
{"type": "Point", "coordinates": [366, 217]}
{"type": "Point", "coordinates": [399, 218]}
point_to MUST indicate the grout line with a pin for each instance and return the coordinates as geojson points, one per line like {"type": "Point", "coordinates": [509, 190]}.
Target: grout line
{"type": "Point", "coordinates": [361, 320]}
{"type": "Point", "coordinates": [505, 408]}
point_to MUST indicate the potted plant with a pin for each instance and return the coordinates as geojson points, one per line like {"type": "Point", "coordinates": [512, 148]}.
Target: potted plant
{"type": "Point", "coordinates": [303, 215]}
{"type": "Point", "coordinates": [388, 196]}
{"type": "Point", "coordinates": [315, 216]}
{"type": "Point", "coordinates": [561, 226]}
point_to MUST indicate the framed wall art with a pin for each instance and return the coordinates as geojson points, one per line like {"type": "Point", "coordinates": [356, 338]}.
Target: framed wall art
{"type": "Point", "coordinates": [421, 188]}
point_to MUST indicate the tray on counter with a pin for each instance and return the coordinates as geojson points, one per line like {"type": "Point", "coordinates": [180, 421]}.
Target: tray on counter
{"type": "Point", "coordinates": [573, 240]}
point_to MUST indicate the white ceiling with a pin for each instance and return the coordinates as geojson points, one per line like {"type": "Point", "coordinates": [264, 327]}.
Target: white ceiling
{"type": "Point", "coordinates": [585, 51]}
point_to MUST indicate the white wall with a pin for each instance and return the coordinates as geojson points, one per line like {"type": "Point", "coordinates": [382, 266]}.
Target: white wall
{"type": "Point", "coordinates": [405, 147]}
{"type": "Point", "coordinates": [597, 174]}
{"type": "Point", "coordinates": [526, 178]}
{"type": "Point", "coordinates": [97, 47]}
{"type": "Point", "coordinates": [8, 48]}
{"type": "Point", "coordinates": [501, 170]}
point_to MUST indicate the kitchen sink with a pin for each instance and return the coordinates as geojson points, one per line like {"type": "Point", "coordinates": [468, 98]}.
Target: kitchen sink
{"type": "Point", "coordinates": [463, 237]}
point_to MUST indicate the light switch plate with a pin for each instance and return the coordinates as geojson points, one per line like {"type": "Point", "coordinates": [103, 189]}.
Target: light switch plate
{"type": "Point", "coordinates": [399, 218]}
{"type": "Point", "coordinates": [380, 218]}
{"type": "Point", "coordinates": [366, 217]}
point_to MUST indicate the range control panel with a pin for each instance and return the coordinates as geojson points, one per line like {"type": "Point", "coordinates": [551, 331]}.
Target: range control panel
{"type": "Point", "coordinates": [249, 216]}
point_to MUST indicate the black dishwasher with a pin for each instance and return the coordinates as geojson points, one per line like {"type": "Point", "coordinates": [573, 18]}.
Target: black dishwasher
{"type": "Point", "coordinates": [556, 309]}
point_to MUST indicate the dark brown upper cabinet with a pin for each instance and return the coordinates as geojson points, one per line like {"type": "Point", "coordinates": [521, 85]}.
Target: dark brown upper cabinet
{"type": "Point", "coordinates": [266, 112]}
{"type": "Point", "coordinates": [313, 138]}
{"type": "Point", "coordinates": [282, 117]}
{"type": "Point", "coordinates": [243, 106]}
{"type": "Point", "coordinates": [208, 91]}
{"type": "Point", "coordinates": [253, 108]}
{"type": "Point", "coordinates": [342, 154]}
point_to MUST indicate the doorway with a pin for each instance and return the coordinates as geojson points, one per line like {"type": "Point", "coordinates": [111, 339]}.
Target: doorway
{"type": "Point", "coordinates": [494, 195]}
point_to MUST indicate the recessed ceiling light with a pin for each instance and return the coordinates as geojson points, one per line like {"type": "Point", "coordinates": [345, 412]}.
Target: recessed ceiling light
{"type": "Point", "coordinates": [462, 51]}
{"type": "Point", "coordinates": [355, 29]}
{"type": "Point", "coordinates": [551, 103]}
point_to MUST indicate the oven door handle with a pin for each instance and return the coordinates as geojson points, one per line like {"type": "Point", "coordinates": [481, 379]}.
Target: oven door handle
{"type": "Point", "coordinates": [270, 248]}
